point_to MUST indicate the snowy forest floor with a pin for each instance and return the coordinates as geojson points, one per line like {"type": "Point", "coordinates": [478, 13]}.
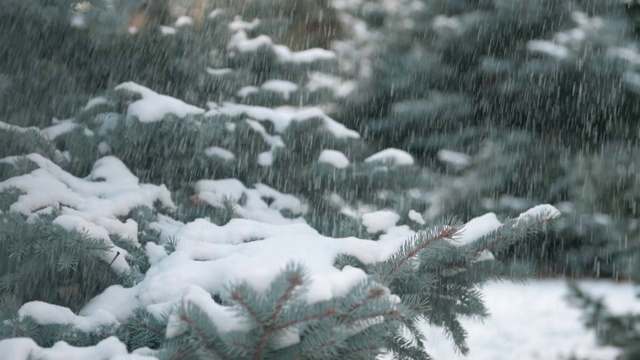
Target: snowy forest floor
{"type": "Point", "coordinates": [535, 321]}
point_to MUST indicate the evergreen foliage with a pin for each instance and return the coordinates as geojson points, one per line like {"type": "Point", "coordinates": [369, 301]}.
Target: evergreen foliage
{"type": "Point", "coordinates": [192, 160]}
{"type": "Point", "coordinates": [45, 262]}
{"type": "Point", "coordinates": [19, 140]}
{"type": "Point", "coordinates": [430, 277]}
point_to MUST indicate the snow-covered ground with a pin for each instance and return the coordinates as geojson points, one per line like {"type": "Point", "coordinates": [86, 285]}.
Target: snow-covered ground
{"type": "Point", "coordinates": [534, 321]}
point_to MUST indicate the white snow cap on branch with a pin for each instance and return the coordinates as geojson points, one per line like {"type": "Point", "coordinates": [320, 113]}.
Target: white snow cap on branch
{"type": "Point", "coordinates": [544, 212]}
{"type": "Point", "coordinates": [242, 43]}
{"type": "Point", "coordinates": [214, 192]}
{"type": "Point", "coordinates": [305, 56]}
{"type": "Point", "coordinates": [48, 314]}
{"type": "Point", "coordinates": [474, 230]}
{"type": "Point", "coordinates": [391, 156]}
{"type": "Point", "coordinates": [334, 157]}
{"type": "Point", "coordinates": [548, 48]}
{"type": "Point", "coordinates": [477, 228]}
{"type": "Point", "coordinates": [92, 205]}
{"type": "Point", "coordinates": [283, 87]}
{"type": "Point", "coordinates": [224, 154]}
{"type": "Point", "coordinates": [109, 348]}
{"type": "Point", "coordinates": [416, 216]}
{"type": "Point", "coordinates": [379, 220]}
{"type": "Point", "coordinates": [454, 158]}
{"type": "Point", "coordinates": [153, 106]}
{"type": "Point", "coordinates": [282, 117]}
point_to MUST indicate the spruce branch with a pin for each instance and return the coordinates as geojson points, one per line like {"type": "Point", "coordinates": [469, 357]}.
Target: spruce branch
{"type": "Point", "coordinates": [295, 279]}
{"type": "Point", "coordinates": [231, 207]}
{"type": "Point", "coordinates": [140, 324]}
{"type": "Point", "coordinates": [417, 337]}
{"type": "Point", "coordinates": [514, 228]}
{"type": "Point", "coordinates": [416, 302]}
{"type": "Point", "coordinates": [143, 329]}
{"type": "Point", "coordinates": [316, 349]}
{"type": "Point", "coordinates": [239, 298]}
{"type": "Point", "coordinates": [202, 334]}
{"type": "Point", "coordinates": [374, 293]}
{"type": "Point", "coordinates": [409, 248]}
{"type": "Point", "coordinates": [246, 347]}
{"type": "Point", "coordinates": [171, 244]}
{"type": "Point", "coordinates": [403, 348]}
{"type": "Point", "coordinates": [457, 333]}
{"type": "Point", "coordinates": [182, 353]}
{"type": "Point", "coordinates": [387, 315]}
{"type": "Point", "coordinates": [358, 350]}
{"type": "Point", "coordinates": [328, 313]}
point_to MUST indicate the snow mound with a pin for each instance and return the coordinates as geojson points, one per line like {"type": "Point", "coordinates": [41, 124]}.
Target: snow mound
{"type": "Point", "coordinates": [247, 90]}
{"type": "Point", "coordinates": [335, 158]}
{"type": "Point", "coordinates": [154, 107]}
{"type": "Point", "coordinates": [305, 56]}
{"type": "Point", "coordinates": [477, 228]}
{"type": "Point", "coordinates": [282, 117]}
{"type": "Point", "coordinates": [474, 230]}
{"type": "Point", "coordinates": [240, 42]}
{"type": "Point", "coordinates": [58, 129]}
{"type": "Point", "coordinates": [544, 212]}
{"type": "Point", "coordinates": [416, 217]}
{"type": "Point", "coordinates": [48, 314]}
{"type": "Point", "coordinates": [109, 191]}
{"type": "Point", "coordinates": [454, 158]}
{"type": "Point", "coordinates": [219, 72]}
{"type": "Point", "coordinates": [391, 156]}
{"type": "Point", "coordinates": [91, 205]}
{"type": "Point", "coordinates": [283, 87]}
{"type": "Point", "coordinates": [379, 220]}
{"type": "Point", "coordinates": [224, 154]}
{"type": "Point", "coordinates": [548, 48]}
{"type": "Point", "coordinates": [109, 348]}
{"type": "Point", "coordinates": [251, 203]}
{"type": "Point", "coordinates": [211, 257]}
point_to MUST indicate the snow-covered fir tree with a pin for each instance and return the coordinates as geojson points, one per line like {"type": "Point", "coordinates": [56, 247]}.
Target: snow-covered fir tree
{"type": "Point", "coordinates": [176, 190]}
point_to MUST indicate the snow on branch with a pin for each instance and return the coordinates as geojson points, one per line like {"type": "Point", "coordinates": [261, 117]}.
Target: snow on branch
{"type": "Point", "coordinates": [152, 107]}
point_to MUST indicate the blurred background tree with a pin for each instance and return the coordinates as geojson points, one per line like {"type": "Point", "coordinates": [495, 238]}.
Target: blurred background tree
{"type": "Point", "coordinates": [541, 98]}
